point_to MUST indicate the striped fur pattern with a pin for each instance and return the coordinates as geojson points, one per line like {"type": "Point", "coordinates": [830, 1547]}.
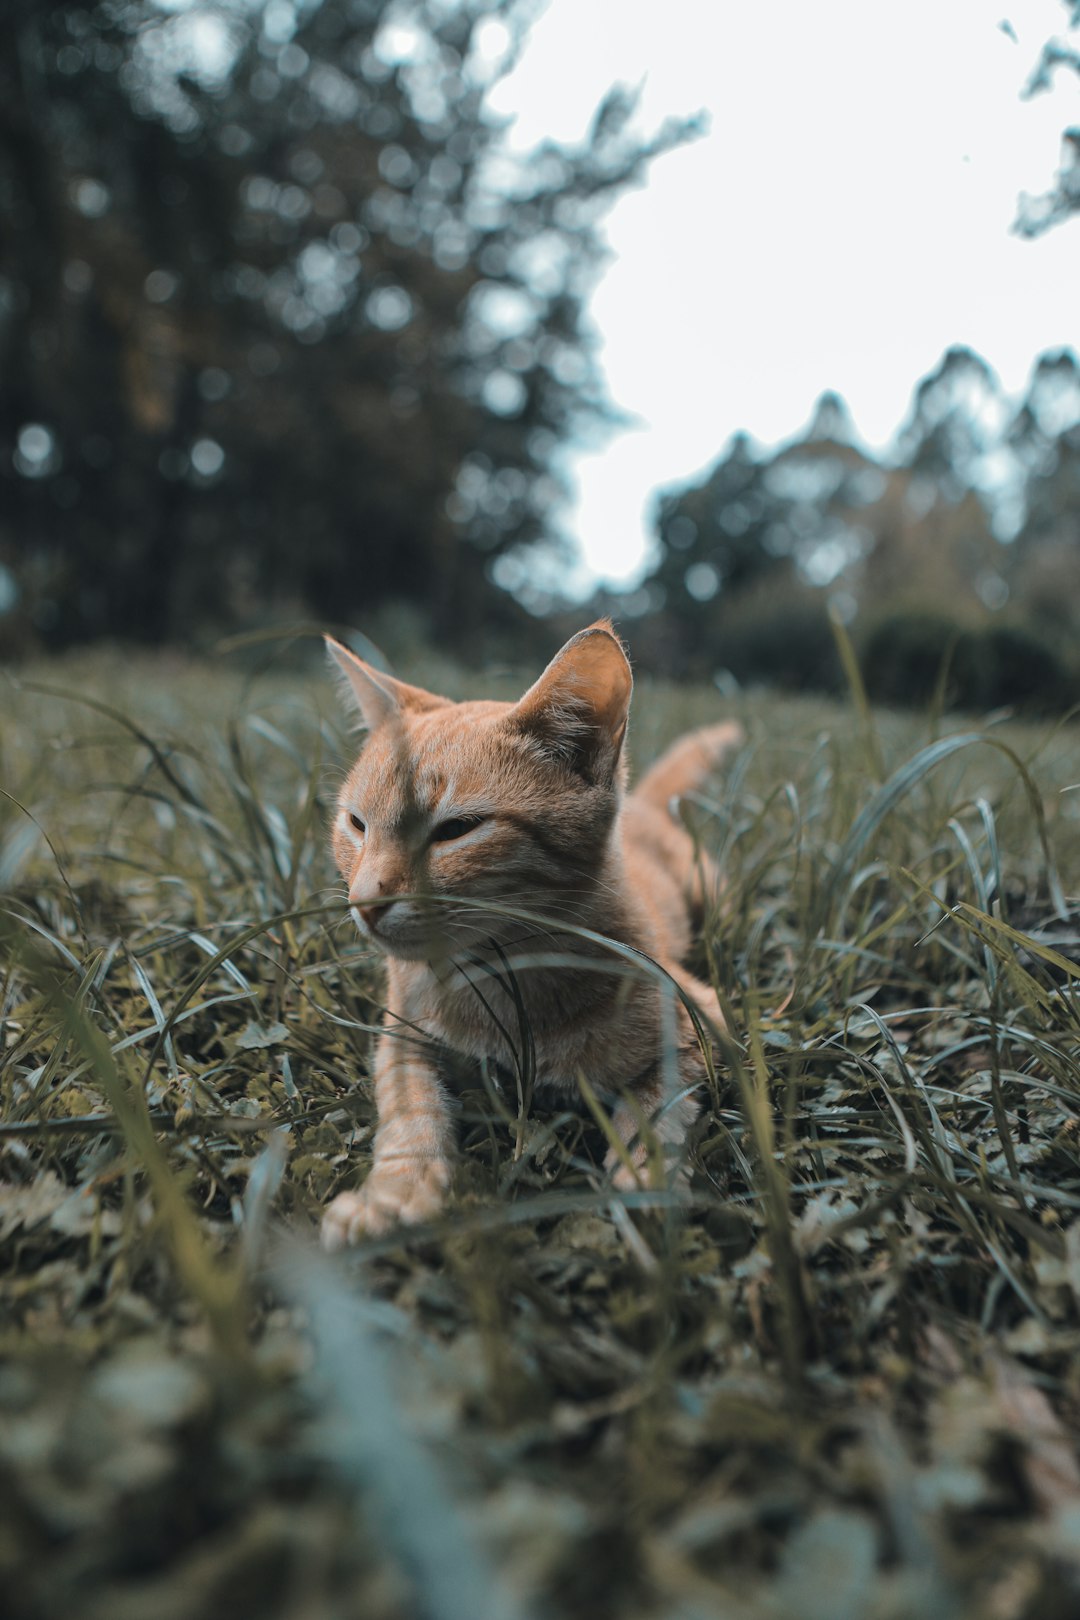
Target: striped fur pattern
{"type": "Point", "coordinates": [455, 817]}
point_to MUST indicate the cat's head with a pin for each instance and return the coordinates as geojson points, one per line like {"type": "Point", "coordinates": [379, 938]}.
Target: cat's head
{"type": "Point", "coordinates": [471, 807]}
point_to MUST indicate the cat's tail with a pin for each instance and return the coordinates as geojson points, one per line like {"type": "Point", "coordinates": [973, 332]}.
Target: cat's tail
{"type": "Point", "coordinates": [688, 763]}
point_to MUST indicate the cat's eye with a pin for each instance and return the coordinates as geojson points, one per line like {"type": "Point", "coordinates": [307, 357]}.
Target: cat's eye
{"type": "Point", "coordinates": [444, 832]}
{"type": "Point", "coordinates": [356, 824]}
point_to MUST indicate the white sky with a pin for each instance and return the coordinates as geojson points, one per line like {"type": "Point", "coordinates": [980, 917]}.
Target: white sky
{"type": "Point", "coordinates": [844, 221]}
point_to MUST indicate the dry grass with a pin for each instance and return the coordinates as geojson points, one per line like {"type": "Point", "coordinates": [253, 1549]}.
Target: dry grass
{"type": "Point", "coordinates": [844, 1384]}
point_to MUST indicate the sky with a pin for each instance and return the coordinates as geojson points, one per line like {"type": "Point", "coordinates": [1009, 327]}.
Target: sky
{"type": "Point", "coordinates": [845, 220]}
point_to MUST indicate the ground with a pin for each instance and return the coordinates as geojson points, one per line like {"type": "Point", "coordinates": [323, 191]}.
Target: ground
{"type": "Point", "coordinates": [843, 1382]}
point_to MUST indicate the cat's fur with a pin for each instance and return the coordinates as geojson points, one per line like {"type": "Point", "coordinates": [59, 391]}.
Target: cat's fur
{"type": "Point", "coordinates": [471, 811]}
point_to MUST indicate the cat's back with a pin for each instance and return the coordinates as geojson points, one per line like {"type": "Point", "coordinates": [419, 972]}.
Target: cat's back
{"type": "Point", "coordinates": [670, 875]}
{"type": "Point", "coordinates": [658, 860]}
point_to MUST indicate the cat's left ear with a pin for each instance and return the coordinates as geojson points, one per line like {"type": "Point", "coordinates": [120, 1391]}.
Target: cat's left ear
{"type": "Point", "coordinates": [579, 707]}
{"type": "Point", "coordinates": [378, 696]}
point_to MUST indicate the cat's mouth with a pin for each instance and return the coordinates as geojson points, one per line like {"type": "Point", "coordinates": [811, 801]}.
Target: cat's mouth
{"type": "Point", "coordinates": [367, 921]}
{"type": "Point", "coordinates": [374, 923]}
{"type": "Point", "coordinates": [426, 934]}
{"type": "Point", "coordinates": [399, 930]}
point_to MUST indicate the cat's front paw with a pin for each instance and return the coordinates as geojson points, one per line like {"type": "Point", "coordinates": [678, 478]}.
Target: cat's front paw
{"type": "Point", "coordinates": [643, 1171]}
{"type": "Point", "coordinates": [398, 1194]}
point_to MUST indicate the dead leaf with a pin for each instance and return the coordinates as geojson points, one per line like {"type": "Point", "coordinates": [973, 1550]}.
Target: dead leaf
{"type": "Point", "coordinates": [1049, 1460]}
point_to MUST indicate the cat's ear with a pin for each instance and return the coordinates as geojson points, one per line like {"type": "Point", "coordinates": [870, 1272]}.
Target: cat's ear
{"type": "Point", "coordinates": [378, 696]}
{"type": "Point", "coordinates": [578, 708]}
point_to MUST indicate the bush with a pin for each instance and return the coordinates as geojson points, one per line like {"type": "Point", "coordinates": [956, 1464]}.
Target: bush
{"type": "Point", "coordinates": [906, 655]}
{"type": "Point", "coordinates": [772, 633]}
{"type": "Point", "coordinates": [788, 642]}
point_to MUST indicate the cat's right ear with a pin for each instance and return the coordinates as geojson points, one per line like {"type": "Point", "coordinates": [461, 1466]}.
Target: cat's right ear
{"type": "Point", "coordinates": [378, 696]}
{"type": "Point", "coordinates": [577, 710]}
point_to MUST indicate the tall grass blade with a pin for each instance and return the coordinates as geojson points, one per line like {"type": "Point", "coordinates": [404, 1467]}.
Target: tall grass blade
{"type": "Point", "coordinates": [367, 1441]}
{"type": "Point", "coordinates": [857, 688]}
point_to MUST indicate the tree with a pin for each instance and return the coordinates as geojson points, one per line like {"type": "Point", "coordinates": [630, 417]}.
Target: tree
{"type": "Point", "coordinates": [1045, 437]}
{"type": "Point", "coordinates": [751, 557]}
{"type": "Point", "coordinates": [744, 552]}
{"type": "Point", "coordinates": [1040, 437]}
{"type": "Point", "coordinates": [719, 534]}
{"type": "Point", "coordinates": [282, 327]}
{"type": "Point", "coordinates": [1038, 214]}
{"type": "Point", "coordinates": [828, 486]}
{"type": "Point", "coordinates": [957, 420]}
{"type": "Point", "coordinates": [795, 516]}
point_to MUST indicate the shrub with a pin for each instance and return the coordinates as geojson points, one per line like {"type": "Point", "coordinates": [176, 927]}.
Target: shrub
{"type": "Point", "coordinates": [788, 643]}
{"type": "Point", "coordinates": [906, 655]}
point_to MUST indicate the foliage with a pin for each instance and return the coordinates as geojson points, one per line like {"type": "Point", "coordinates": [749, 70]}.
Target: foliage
{"type": "Point", "coordinates": [718, 532]}
{"type": "Point", "coordinates": [976, 509]}
{"type": "Point", "coordinates": [775, 632]}
{"type": "Point", "coordinates": [1038, 214]}
{"type": "Point", "coordinates": [284, 329]}
{"type": "Point", "coordinates": [842, 1382]}
{"type": "Point", "coordinates": [956, 414]}
{"type": "Point", "coordinates": [910, 656]}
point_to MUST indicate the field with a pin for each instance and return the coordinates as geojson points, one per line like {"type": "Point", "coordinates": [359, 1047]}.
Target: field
{"type": "Point", "coordinates": [841, 1383]}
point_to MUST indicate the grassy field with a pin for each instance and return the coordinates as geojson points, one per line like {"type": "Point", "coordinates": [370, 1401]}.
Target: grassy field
{"type": "Point", "coordinates": [843, 1384]}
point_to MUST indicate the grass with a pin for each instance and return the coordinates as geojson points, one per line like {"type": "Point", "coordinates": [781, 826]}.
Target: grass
{"type": "Point", "coordinates": [844, 1383]}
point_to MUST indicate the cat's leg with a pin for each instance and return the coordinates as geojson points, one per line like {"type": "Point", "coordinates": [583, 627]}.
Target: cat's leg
{"type": "Point", "coordinates": [413, 1150]}
{"type": "Point", "coordinates": [653, 1121]}
{"type": "Point", "coordinates": [657, 1114]}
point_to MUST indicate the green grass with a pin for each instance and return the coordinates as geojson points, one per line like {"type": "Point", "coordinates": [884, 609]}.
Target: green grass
{"type": "Point", "coordinates": [844, 1383]}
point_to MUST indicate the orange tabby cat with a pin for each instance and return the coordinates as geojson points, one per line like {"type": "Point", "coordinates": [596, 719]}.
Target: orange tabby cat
{"type": "Point", "coordinates": [457, 815]}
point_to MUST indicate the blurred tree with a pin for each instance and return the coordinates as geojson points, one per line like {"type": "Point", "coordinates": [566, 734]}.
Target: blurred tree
{"type": "Point", "coordinates": [828, 486]}
{"type": "Point", "coordinates": [957, 419]}
{"type": "Point", "coordinates": [770, 528]}
{"type": "Point", "coordinates": [933, 536]}
{"type": "Point", "coordinates": [929, 552]}
{"type": "Point", "coordinates": [719, 534]}
{"type": "Point", "coordinates": [282, 325]}
{"type": "Point", "coordinates": [1038, 214]}
{"type": "Point", "coordinates": [750, 557]}
{"type": "Point", "coordinates": [1042, 438]}
{"type": "Point", "coordinates": [1045, 437]}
